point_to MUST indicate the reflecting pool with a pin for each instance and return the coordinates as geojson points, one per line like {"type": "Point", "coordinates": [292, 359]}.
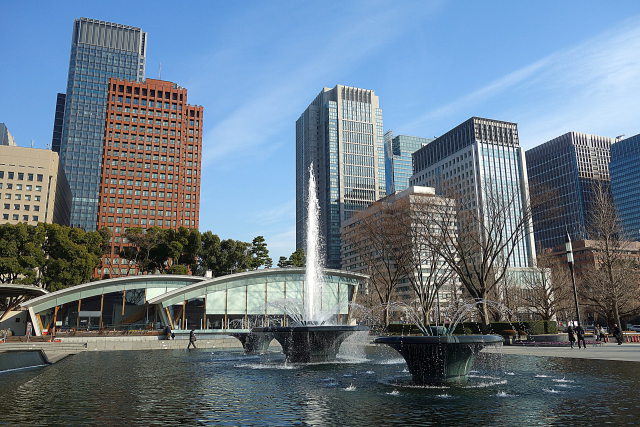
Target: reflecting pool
{"type": "Point", "coordinates": [224, 387]}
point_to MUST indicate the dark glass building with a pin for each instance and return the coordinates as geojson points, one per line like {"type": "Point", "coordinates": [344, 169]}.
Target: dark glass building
{"type": "Point", "coordinates": [566, 170]}
{"type": "Point", "coordinates": [625, 184]}
{"type": "Point", "coordinates": [99, 50]}
{"type": "Point", "coordinates": [398, 160]}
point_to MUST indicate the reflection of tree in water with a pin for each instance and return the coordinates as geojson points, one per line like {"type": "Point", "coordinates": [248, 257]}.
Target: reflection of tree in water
{"type": "Point", "coordinates": [135, 296]}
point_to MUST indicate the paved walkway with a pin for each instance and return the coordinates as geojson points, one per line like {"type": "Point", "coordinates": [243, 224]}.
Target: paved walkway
{"type": "Point", "coordinates": [627, 352]}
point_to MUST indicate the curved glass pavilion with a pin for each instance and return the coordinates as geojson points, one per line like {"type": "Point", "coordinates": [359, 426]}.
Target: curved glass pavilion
{"type": "Point", "coordinates": [235, 301]}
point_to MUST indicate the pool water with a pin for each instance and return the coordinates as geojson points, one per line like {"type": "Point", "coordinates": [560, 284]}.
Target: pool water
{"type": "Point", "coordinates": [228, 388]}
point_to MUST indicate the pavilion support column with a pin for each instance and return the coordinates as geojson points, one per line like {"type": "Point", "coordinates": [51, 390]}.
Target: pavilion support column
{"type": "Point", "coordinates": [55, 319]}
{"type": "Point", "coordinates": [184, 314]}
{"type": "Point", "coordinates": [78, 316]}
{"type": "Point", "coordinates": [101, 308]}
{"type": "Point", "coordinates": [225, 324]}
{"type": "Point", "coordinates": [166, 317]}
{"type": "Point", "coordinates": [124, 300]}
{"type": "Point", "coordinates": [246, 307]}
{"type": "Point", "coordinates": [34, 321]}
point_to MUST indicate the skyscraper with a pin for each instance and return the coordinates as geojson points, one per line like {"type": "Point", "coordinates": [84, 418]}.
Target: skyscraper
{"type": "Point", "coordinates": [151, 155]}
{"type": "Point", "coordinates": [625, 184]}
{"type": "Point", "coordinates": [341, 133]}
{"type": "Point", "coordinates": [480, 160]}
{"type": "Point", "coordinates": [398, 152]}
{"type": "Point", "coordinates": [99, 50]}
{"type": "Point", "coordinates": [566, 170]}
{"type": "Point", "coordinates": [5, 136]}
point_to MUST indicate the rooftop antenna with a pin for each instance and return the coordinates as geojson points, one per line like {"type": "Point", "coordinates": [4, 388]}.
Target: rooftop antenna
{"type": "Point", "coordinates": [32, 142]}
{"type": "Point", "coordinates": [160, 71]}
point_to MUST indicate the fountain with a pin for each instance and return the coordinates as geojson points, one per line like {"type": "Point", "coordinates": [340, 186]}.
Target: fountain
{"type": "Point", "coordinates": [438, 356]}
{"type": "Point", "coordinates": [311, 338]}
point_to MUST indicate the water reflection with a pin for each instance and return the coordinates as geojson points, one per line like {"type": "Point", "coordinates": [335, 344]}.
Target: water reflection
{"type": "Point", "coordinates": [201, 387]}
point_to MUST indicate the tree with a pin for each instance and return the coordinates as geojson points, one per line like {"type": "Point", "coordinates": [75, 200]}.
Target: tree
{"type": "Point", "coordinates": [612, 283]}
{"type": "Point", "coordinates": [490, 228]}
{"type": "Point", "coordinates": [260, 254]}
{"type": "Point", "coordinates": [283, 262]}
{"type": "Point", "coordinates": [297, 258]}
{"type": "Point", "coordinates": [380, 239]}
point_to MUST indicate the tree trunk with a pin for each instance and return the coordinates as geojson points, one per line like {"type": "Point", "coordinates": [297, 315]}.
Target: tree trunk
{"type": "Point", "coordinates": [616, 314]}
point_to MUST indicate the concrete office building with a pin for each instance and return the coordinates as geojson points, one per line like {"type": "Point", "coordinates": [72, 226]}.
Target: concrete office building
{"type": "Point", "coordinates": [341, 133]}
{"type": "Point", "coordinates": [33, 187]}
{"type": "Point", "coordinates": [5, 136]}
{"type": "Point", "coordinates": [625, 184]}
{"type": "Point", "coordinates": [480, 160]}
{"type": "Point", "coordinates": [398, 152]}
{"type": "Point", "coordinates": [566, 170]}
{"type": "Point", "coordinates": [151, 160]}
{"type": "Point", "coordinates": [99, 50]}
{"type": "Point", "coordinates": [425, 208]}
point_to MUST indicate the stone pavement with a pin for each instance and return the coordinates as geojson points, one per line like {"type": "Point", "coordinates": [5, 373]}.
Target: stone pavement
{"type": "Point", "coordinates": [628, 352]}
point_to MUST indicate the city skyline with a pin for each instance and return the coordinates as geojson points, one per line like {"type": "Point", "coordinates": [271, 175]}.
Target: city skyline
{"type": "Point", "coordinates": [248, 164]}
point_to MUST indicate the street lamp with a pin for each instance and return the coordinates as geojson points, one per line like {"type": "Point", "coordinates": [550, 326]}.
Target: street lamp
{"type": "Point", "coordinates": [569, 248]}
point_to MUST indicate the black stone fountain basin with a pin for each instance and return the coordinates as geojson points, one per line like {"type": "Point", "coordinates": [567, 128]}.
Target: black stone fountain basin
{"type": "Point", "coordinates": [254, 343]}
{"type": "Point", "coordinates": [439, 359]}
{"type": "Point", "coordinates": [310, 344]}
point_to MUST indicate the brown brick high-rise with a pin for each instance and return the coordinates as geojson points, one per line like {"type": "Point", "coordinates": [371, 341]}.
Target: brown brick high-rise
{"type": "Point", "coordinates": [150, 164]}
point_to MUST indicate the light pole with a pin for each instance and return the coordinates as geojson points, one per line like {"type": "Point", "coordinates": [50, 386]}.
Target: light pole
{"type": "Point", "coordinates": [569, 248]}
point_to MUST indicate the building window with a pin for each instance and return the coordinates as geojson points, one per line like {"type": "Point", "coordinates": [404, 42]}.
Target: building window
{"type": "Point", "coordinates": [20, 176]}
{"type": "Point", "coordinates": [40, 177]}
{"type": "Point", "coordinates": [35, 218]}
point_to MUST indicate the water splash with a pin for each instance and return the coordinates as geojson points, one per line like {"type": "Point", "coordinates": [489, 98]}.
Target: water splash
{"type": "Point", "coordinates": [393, 393]}
{"type": "Point", "coordinates": [350, 388]}
{"type": "Point", "coordinates": [313, 274]}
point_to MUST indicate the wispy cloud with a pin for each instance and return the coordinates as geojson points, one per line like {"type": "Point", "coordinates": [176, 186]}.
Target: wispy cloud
{"type": "Point", "coordinates": [249, 128]}
{"type": "Point", "coordinates": [593, 87]}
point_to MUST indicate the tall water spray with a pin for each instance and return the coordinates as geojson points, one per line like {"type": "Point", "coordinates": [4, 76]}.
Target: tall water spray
{"type": "Point", "coordinates": [313, 275]}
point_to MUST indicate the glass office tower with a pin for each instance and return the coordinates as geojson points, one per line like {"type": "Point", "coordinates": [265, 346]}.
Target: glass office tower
{"type": "Point", "coordinates": [341, 133]}
{"type": "Point", "coordinates": [99, 50]}
{"type": "Point", "coordinates": [398, 160]}
{"type": "Point", "coordinates": [566, 169]}
{"type": "Point", "coordinates": [625, 184]}
{"type": "Point", "coordinates": [478, 160]}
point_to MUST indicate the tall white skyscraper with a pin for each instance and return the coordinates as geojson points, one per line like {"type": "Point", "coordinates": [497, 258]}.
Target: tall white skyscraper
{"type": "Point", "coordinates": [341, 133]}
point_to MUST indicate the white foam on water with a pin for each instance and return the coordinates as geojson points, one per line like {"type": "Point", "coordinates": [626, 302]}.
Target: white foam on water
{"type": "Point", "coordinates": [444, 396]}
{"type": "Point", "coordinates": [551, 390]}
{"type": "Point", "coordinates": [486, 384]}
{"type": "Point", "coordinates": [405, 370]}
{"type": "Point", "coordinates": [267, 366]}
{"type": "Point", "coordinates": [350, 388]}
{"type": "Point", "coordinates": [369, 372]}
{"type": "Point", "coordinates": [393, 393]}
{"type": "Point", "coordinates": [542, 376]}
{"type": "Point", "coordinates": [563, 380]}
{"type": "Point", "coordinates": [391, 361]}
{"type": "Point", "coordinates": [487, 377]}
{"type": "Point", "coordinates": [509, 373]}
{"type": "Point", "coordinates": [347, 375]}
{"type": "Point", "coordinates": [504, 394]}
{"type": "Point", "coordinates": [565, 385]}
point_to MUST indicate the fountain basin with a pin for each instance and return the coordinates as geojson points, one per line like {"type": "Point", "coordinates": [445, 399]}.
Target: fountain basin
{"type": "Point", "coordinates": [254, 342]}
{"type": "Point", "coordinates": [439, 359]}
{"type": "Point", "coordinates": [310, 344]}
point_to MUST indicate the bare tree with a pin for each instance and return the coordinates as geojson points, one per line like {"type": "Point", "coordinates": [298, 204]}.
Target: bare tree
{"type": "Point", "coordinates": [377, 239]}
{"type": "Point", "coordinates": [426, 270]}
{"type": "Point", "coordinates": [490, 228]}
{"type": "Point", "coordinates": [612, 283]}
{"type": "Point", "coordinates": [546, 292]}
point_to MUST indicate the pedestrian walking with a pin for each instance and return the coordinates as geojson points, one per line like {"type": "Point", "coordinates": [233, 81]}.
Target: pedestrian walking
{"type": "Point", "coordinates": [580, 335]}
{"type": "Point", "coordinates": [603, 335]}
{"type": "Point", "coordinates": [572, 336]}
{"type": "Point", "coordinates": [617, 334]}
{"type": "Point", "coordinates": [192, 339]}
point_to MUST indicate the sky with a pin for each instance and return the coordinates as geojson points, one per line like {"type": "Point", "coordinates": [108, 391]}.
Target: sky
{"type": "Point", "coordinates": [550, 66]}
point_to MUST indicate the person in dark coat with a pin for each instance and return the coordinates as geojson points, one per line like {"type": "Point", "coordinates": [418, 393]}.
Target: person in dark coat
{"type": "Point", "coordinates": [192, 339]}
{"type": "Point", "coordinates": [617, 333]}
{"type": "Point", "coordinates": [580, 335]}
{"type": "Point", "coordinates": [167, 332]}
{"type": "Point", "coordinates": [572, 336]}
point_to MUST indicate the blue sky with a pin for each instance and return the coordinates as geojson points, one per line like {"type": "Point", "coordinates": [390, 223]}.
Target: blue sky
{"type": "Point", "coordinates": [550, 66]}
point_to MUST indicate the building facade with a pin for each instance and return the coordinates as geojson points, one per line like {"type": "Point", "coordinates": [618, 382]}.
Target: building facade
{"type": "Point", "coordinates": [566, 170]}
{"type": "Point", "coordinates": [33, 187]}
{"type": "Point", "coordinates": [58, 122]}
{"type": "Point", "coordinates": [625, 184]}
{"type": "Point", "coordinates": [341, 134]}
{"type": "Point", "coordinates": [480, 163]}
{"type": "Point", "coordinates": [99, 50]}
{"type": "Point", "coordinates": [423, 268]}
{"type": "Point", "coordinates": [398, 151]}
{"type": "Point", "coordinates": [151, 162]}
{"type": "Point", "coordinates": [5, 136]}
